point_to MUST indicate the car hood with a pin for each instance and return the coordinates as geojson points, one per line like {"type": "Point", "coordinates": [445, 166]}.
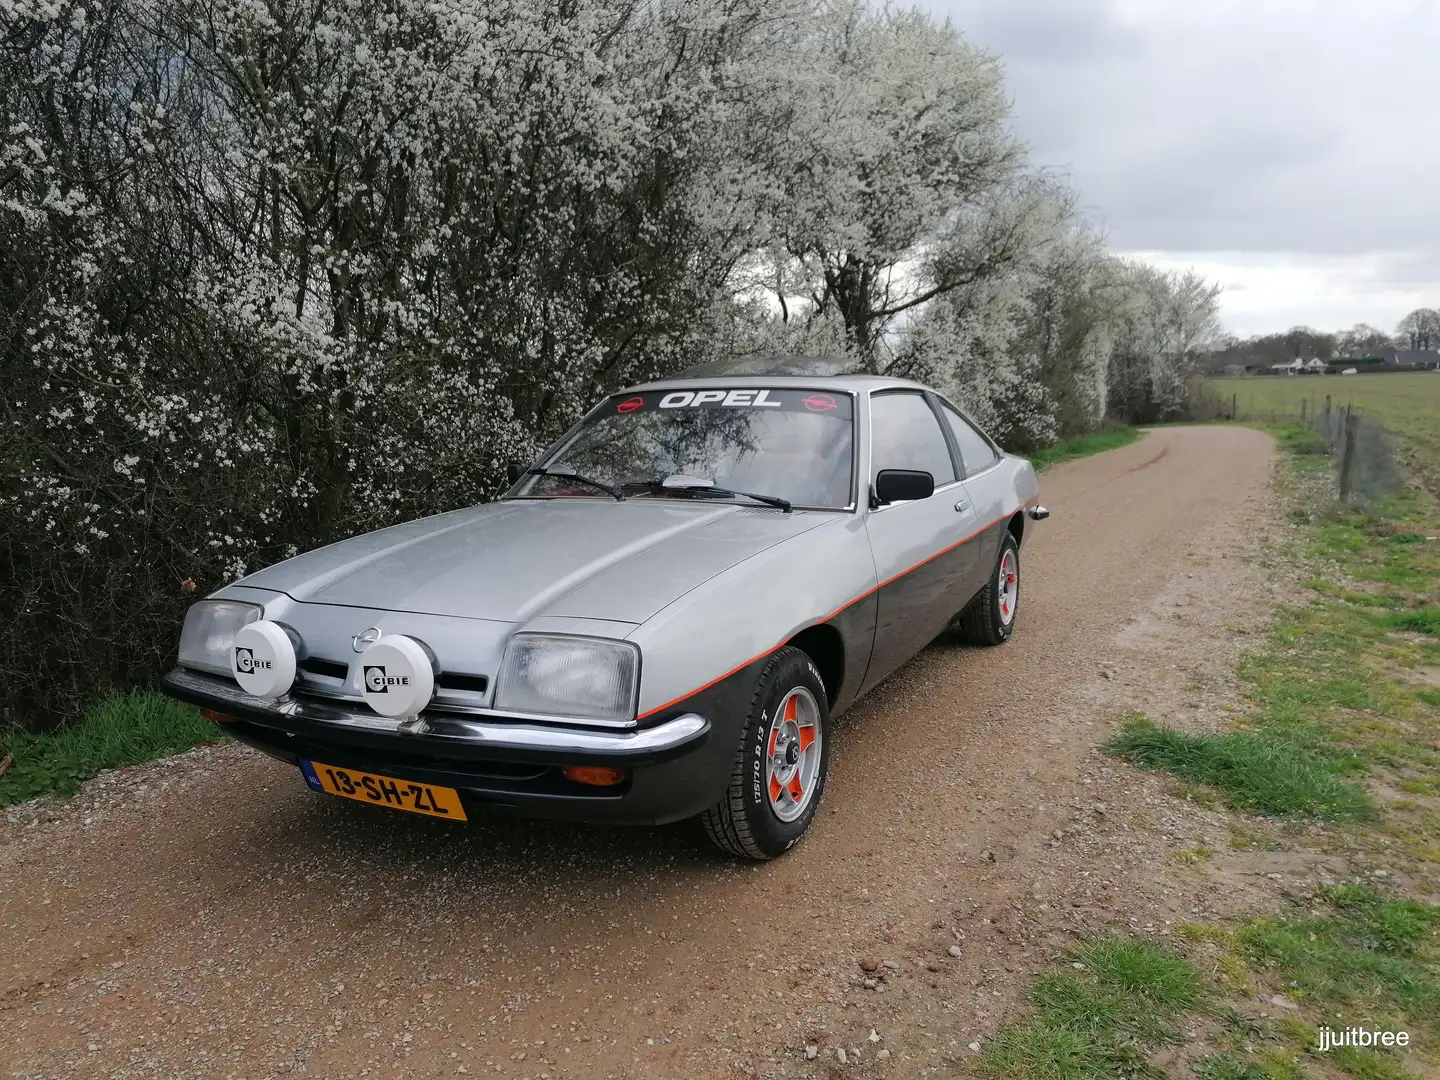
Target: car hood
{"type": "Point", "coordinates": [512, 561]}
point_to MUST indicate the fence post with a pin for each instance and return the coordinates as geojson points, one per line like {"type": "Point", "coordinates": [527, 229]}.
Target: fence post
{"type": "Point", "coordinates": [1329, 432]}
{"type": "Point", "coordinates": [1234, 397]}
{"type": "Point", "coordinates": [1347, 458]}
{"type": "Point", "coordinates": [1304, 407]}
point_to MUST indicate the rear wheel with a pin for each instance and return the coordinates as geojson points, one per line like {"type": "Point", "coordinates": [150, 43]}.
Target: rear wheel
{"type": "Point", "coordinates": [780, 766]}
{"type": "Point", "coordinates": [989, 619]}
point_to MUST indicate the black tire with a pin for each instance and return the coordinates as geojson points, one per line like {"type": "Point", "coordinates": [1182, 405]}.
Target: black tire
{"type": "Point", "coordinates": [983, 621]}
{"type": "Point", "coordinates": [743, 822]}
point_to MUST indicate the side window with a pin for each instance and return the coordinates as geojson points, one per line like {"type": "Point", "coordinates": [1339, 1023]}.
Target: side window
{"type": "Point", "coordinates": [904, 434]}
{"type": "Point", "coordinates": [975, 452]}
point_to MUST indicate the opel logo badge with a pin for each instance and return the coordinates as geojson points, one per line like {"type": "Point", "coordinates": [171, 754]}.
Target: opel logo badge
{"type": "Point", "coordinates": [365, 638]}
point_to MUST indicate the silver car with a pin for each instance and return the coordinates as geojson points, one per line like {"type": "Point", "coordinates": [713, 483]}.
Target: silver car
{"type": "Point", "coordinates": [659, 620]}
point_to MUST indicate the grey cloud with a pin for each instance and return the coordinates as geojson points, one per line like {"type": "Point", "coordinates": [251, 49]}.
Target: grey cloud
{"type": "Point", "coordinates": [1041, 31]}
{"type": "Point", "coordinates": [1278, 127]}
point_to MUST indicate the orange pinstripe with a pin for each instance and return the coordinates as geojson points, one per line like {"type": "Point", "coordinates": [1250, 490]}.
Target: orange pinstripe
{"type": "Point", "coordinates": [837, 611]}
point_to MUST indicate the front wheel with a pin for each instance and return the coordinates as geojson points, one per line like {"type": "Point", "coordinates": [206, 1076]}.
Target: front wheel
{"type": "Point", "coordinates": [989, 619]}
{"type": "Point", "coordinates": [780, 766]}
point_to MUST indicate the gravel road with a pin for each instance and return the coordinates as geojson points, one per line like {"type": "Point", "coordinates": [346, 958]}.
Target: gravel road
{"type": "Point", "coordinates": [209, 916]}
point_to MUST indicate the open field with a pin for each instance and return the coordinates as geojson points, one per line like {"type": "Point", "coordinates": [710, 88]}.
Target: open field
{"type": "Point", "coordinates": [1408, 404]}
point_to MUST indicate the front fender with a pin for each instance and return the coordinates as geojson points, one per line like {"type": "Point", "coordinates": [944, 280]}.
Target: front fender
{"type": "Point", "coordinates": [726, 625]}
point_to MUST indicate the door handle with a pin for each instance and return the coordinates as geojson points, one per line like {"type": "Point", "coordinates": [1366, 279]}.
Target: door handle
{"type": "Point", "coordinates": [961, 505]}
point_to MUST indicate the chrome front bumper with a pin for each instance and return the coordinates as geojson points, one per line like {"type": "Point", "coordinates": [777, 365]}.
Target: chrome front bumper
{"type": "Point", "coordinates": [439, 733]}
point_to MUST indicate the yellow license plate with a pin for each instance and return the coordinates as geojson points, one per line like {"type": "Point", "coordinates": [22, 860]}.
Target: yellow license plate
{"type": "Point", "coordinates": [384, 790]}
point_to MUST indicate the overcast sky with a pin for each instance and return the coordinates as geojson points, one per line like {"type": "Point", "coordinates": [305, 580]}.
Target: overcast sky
{"type": "Point", "coordinates": [1288, 149]}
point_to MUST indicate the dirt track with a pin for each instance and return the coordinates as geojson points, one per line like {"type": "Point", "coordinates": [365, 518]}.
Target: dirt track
{"type": "Point", "coordinates": [209, 916]}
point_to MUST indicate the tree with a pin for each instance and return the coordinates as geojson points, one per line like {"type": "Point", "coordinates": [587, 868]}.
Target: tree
{"type": "Point", "coordinates": [1024, 347]}
{"type": "Point", "coordinates": [273, 274]}
{"type": "Point", "coordinates": [1362, 339]}
{"type": "Point", "coordinates": [1420, 329]}
{"type": "Point", "coordinates": [900, 144]}
{"type": "Point", "coordinates": [1306, 342]}
{"type": "Point", "coordinates": [1171, 318]}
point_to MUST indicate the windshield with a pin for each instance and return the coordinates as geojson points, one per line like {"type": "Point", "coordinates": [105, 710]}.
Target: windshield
{"type": "Point", "coordinates": [791, 444]}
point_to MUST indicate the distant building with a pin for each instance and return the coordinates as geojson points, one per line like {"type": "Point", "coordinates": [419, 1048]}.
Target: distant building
{"type": "Point", "coordinates": [1234, 369]}
{"type": "Point", "coordinates": [1294, 367]}
{"type": "Point", "coordinates": [1393, 359]}
{"type": "Point", "coordinates": [1315, 366]}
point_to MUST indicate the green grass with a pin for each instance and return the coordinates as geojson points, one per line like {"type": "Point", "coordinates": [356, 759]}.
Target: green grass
{"type": "Point", "coordinates": [1371, 961]}
{"type": "Point", "coordinates": [1094, 1019]}
{"type": "Point", "coordinates": [1332, 702]}
{"type": "Point", "coordinates": [1333, 705]}
{"type": "Point", "coordinates": [1083, 446]}
{"type": "Point", "coordinates": [1423, 621]}
{"type": "Point", "coordinates": [118, 731]}
{"type": "Point", "coordinates": [1266, 771]}
{"type": "Point", "coordinates": [1406, 404]}
{"type": "Point", "coordinates": [1356, 958]}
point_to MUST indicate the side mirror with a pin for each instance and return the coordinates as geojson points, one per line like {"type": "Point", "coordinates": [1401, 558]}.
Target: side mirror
{"type": "Point", "coordinates": [515, 470]}
{"type": "Point", "coordinates": [903, 485]}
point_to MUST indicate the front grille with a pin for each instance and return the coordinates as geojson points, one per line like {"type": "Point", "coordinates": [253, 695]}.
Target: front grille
{"type": "Point", "coordinates": [331, 669]}
{"type": "Point", "coordinates": [457, 680]}
{"type": "Point", "coordinates": [447, 680]}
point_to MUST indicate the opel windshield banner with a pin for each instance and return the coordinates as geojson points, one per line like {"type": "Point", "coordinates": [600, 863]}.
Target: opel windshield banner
{"type": "Point", "coordinates": [818, 402]}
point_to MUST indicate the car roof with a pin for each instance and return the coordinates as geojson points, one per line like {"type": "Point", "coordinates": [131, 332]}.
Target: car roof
{"type": "Point", "coordinates": [779, 371]}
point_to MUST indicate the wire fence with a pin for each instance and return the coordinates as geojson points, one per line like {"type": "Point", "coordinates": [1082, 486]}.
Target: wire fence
{"type": "Point", "coordinates": [1363, 452]}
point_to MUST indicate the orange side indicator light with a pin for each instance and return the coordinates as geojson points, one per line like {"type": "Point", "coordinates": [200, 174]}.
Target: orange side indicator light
{"type": "Point", "coordinates": [595, 775]}
{"type": "Point", "coordinates": [218, 717]}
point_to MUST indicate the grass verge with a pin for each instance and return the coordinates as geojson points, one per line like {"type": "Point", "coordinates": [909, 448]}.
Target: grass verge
{"type": "Point", "coordinates": [1362, 960]}
{"type": "Point", "coordinates": [1265, 771]}
{"type": "Point", "coordinates": [1370, 961]}
{"type": "Point", "coordinates": [1345, 689]}
{"type": "Point", "coordinates": [1083, 446]}
{"type": "Point", "coordinates": [1120, 999]}
{"type": "Point", "coordinates": [1343, 725]}
{"type": "Point", "coordinates": [118, 731]}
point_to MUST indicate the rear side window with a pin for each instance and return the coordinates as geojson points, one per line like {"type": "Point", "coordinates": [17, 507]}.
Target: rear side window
{"type": "Point", "coordinates": [975, 453]}
{"type": "Point", "coordinates": [904, 434]}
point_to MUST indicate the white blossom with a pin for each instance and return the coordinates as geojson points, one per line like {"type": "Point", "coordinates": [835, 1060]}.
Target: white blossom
{"type": "Point", "coordinates": [274, 273]}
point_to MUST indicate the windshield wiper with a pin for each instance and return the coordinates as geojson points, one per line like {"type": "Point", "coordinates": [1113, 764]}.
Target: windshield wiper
{"type": "Point", "coordinates": [697, 486]}
{"type": "Point", "coordinates": [560, 474]}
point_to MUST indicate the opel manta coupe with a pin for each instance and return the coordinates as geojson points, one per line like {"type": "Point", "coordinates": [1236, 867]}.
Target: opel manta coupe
{"type": "Point", "coordinates": [659, 620]}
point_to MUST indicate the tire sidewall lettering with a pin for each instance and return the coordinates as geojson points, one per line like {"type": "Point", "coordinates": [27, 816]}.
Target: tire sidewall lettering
{"type": "Point", "coordinates": [757, 764]}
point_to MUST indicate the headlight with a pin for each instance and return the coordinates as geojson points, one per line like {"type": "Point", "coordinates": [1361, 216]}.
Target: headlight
{"type": "Point", "coordinates": [577, 677]}
{"type": "Point", "coordinates": [210, 627]}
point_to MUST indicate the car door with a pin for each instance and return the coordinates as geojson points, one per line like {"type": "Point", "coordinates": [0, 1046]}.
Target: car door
{"type": "Point", "coordinates": [989, 488]}
{"type": "Point", "coordinates": [921, 563]}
